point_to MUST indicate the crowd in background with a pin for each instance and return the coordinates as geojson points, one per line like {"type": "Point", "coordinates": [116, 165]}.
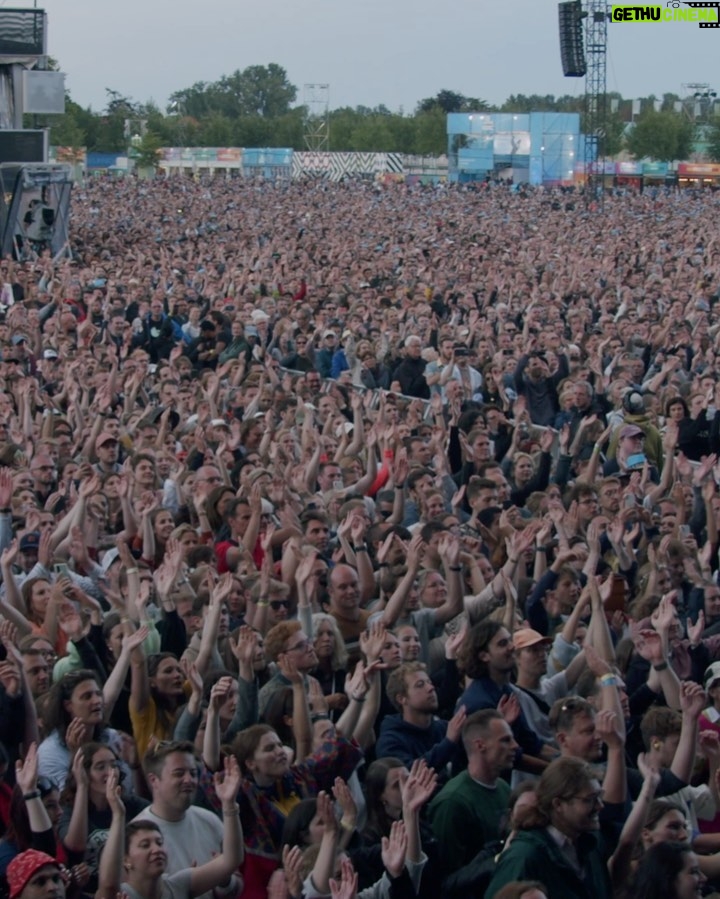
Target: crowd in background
{"type": "Point", "coordinates": [361, 539]}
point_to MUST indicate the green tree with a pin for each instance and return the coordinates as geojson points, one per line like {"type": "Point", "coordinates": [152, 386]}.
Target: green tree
{"type": "Point", "coordinates": [714, 139]}
{"type": "Point", "coordinates": [431, 133]}
{"type": "Point", "coordinates": [451, 101]}
{"type": "Point", "coordinates": [147, 152]}
{"type": "Point", "coordinates": [664, 136]}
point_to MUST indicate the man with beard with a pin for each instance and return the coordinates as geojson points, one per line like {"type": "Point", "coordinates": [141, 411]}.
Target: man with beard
{"type": "Point", "coordinates": [559, 843]}
{"type": "Point", "coordinates": [416, 732]}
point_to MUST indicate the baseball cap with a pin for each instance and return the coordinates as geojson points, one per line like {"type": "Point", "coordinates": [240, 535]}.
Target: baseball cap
{"type": "Point", "coordinates": [526, 636]}
{"type": "Point", "coordinates": [50, 354]}
{"type": "Point", "coordinates": [712, 674]}
{"type": "Point", "coordinates": [631, 431]}
{"type": "Point", "coordinates": [110, 556]}
{"type": "Point", "coordinates": [329, 334]}
{"type": "Point", "coordinates": [30, 541]}
{"type": "Point", "coordinates": [105, 437]}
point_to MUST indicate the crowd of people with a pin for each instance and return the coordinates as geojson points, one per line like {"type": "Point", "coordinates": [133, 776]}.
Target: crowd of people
{"type": "Point", "coordinates": [361, 540]}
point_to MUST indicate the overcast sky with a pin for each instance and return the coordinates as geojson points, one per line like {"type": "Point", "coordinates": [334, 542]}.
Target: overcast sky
{"type": "Point", "coordinates": [394, 52]}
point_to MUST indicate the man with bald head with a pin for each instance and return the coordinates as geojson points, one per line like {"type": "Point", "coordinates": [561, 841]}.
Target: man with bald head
{"type": "Point", "coordinates": [344, 593]}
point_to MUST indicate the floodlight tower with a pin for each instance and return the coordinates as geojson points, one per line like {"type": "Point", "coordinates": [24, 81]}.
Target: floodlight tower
{"type": "Point", "coordinates": [316, 132]}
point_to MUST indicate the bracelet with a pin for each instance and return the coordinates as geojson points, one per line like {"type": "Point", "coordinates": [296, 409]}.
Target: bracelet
{"type": "Point", "coordinates": [233, 810]}
{"type": "Point", "coordinates": [661, 667]}
{"type": "Point", "coordinates": [345, 825]}
{"type": "Point", "coordinates": [262, 603]}
{"type": "Point", "coordinates": [32, 794]}
{"type": "Point", "coordinates": [608, 680]}
{"type": "Point", "coordinates": [596, 448]}
{"type": "Point", "coordinates": [131, 571]}
{"type": "Point", "coordinates": [362, 548]}
{"type": "Point", "coordinates": [512, 561]}
{"type": "Point", "coordinates": [399, 486]}
{"type": "Point", "coordinates": [456, 568]}
{"type": "Point", "coordinates": [357, 698]}
{"type": "Point", "coordinates": [541, 549]}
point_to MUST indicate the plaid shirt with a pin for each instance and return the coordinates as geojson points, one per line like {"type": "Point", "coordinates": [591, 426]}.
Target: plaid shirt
{"type": "Point", "coordinates": [262, 820]}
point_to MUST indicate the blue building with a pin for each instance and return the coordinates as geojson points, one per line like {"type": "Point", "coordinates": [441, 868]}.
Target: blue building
{"type": "Point", "coordinates": [539, 147]}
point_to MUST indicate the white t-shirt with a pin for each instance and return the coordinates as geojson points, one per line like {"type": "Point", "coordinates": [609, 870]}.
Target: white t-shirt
{"type": "Point", "coordinates": [192, 841]}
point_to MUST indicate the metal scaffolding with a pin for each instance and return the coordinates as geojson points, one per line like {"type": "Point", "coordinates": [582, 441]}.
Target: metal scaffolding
{"type": "Point", "coordinates": [595, 126]}
{"type": "Point", "coordinates": [316, 130]}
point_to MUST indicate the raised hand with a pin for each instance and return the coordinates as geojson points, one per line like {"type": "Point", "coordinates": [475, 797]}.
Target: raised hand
{"type": "Point", "coordinates": [292, 865]}
{"type": "Point", "coordinates": [372, 641]}
{"type": "Point", "coordinates": [113, 792]}
{"type": "Point", "coordinates": [26, 772]}
{"type": "Point", "coordinates": [227, 783]}
{"type": "Point", "coordinates": [606, 727]}
{"type": "Point", "coordinates": [394, 849]}
{"type": "Point", "coordinates": [509, 708]}
{"type": "Point", "coordinates": [649, 646]}
{"type": "Point", "coordinates": [348, 806]}
{"type": "Point", "coordinates": [457, 722]}
{"type": "Point", "coordinates": [692, 699]}
{"type": "Point", "coordinates": [347, 886]}
{"type": "Point", "coordinates": [420, 786]}
{"type": "Point", "coordinates": [288, 668]}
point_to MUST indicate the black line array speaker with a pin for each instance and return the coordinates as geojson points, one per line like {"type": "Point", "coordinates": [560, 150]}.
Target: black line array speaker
{"type": "Point", "coordinates": [572, 49]}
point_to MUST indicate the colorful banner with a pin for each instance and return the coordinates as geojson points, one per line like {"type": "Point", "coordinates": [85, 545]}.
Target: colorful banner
{"type": "Point", "coordinates": [698, 168]}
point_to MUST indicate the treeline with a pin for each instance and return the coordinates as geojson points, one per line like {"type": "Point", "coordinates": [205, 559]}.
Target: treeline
{"type": "Point", "coordinates": [258, 107]}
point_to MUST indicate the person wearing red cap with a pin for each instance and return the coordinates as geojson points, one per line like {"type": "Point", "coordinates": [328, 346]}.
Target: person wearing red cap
{"type": "Point", "coordinates": [35, 875]}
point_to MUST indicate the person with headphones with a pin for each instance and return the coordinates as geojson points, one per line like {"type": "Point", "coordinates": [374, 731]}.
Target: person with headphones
{"type": "Point", "coordinates": [635, 419]}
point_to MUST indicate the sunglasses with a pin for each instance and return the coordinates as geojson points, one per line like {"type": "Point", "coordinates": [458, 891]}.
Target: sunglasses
{"type": "Point", "coordinates": [279, 604]}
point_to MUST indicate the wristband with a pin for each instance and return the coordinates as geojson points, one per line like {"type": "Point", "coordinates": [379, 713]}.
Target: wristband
{"type": "Point", "coordinates": [233, 810]}
{"type": "Point", "coordinates": [357, 698]}
{"type": "Point", "coordinates": [661, 667]}
{"type": "Point", "coordinates": [400, 486]}
{"type": "Point", "coordinates": [345, 825]}
{"type": "Point", "coordinates": [361, 548]}
{"type": "Point", "coordinates": [608, 680]}
{"type": "Point", "coordinates": [596, 448]}
{"type": "Point", "coordinates": [32, 794]}
{"type": "Point", "coordinates": [131, 571]}
{"type": "Point", "coordinates": [512, 561]}
{"type": "Point", "coordinates": [541, 549]}
{"type": "Point", "coordinates": [456, 568]}
{"type": "Point", "coordinates": [388, 454]}
{"type": "Point", "coordinates": [262, 603]}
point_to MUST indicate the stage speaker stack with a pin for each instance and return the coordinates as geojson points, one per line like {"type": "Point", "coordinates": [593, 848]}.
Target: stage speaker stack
{"type": "Point", "coordinates": [572, 49]}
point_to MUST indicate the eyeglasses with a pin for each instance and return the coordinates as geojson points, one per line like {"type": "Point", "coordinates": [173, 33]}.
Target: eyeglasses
{"type": "Point", "coordinates": [303, 645]}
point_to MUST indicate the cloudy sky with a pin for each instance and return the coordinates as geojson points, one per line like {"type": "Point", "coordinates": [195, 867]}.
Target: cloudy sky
{"type": "Point", "coordinates": [369, 51]}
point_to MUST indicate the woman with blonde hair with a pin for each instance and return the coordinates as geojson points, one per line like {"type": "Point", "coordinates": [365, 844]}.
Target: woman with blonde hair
{"type": "Point", "coordinates": [332, 661]}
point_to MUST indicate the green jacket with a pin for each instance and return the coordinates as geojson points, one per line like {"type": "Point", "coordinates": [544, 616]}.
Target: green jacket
{"type": "Point", "coordinates": [534, 855]}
